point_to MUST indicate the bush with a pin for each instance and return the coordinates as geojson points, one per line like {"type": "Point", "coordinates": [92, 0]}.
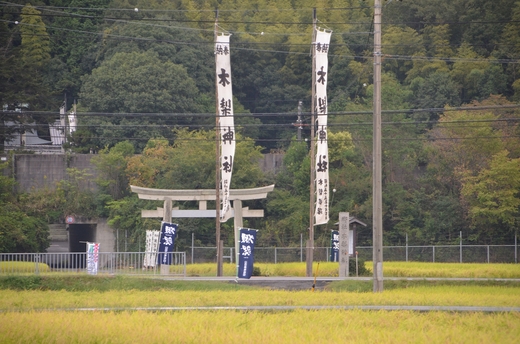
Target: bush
{"type": "Point", "coordinates": [362, 269]}
{"type": "Point", "coordinates": [257, 271]}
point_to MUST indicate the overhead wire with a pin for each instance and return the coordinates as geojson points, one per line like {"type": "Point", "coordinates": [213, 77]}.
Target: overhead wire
{"type": "Point", "coordinates": [274, 114]}
{"type": "Point", "coordinates": [290, 52]}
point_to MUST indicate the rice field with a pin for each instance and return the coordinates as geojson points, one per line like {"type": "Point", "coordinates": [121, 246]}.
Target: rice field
{"type": "Point", "coordinates": [258, 327]}
{"type": "Point", "coordinates": [61, 309]}
{"type": "Point", "coordinates": [390, 269]}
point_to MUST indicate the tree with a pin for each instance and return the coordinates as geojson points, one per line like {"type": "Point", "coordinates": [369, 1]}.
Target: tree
{"type": "Point", "coordinates": [137, 82]}
{"type": "Point", "coordinates": [19, 231]}
{"type": "Point", "coordinates": [111, 164]}
{"type": "Point", "coordinates": [401, 42]}
{"type": "Point", "coordinates": [436, 91]}
{"type": "Point", "coordinates": [74, 42]}
{"type": "Point", "coordinates": [493, 196]}
{"type": "Point", "coordinates": [34, 56]}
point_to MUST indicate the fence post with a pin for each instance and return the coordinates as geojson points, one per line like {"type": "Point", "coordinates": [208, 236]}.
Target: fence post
{"type": "Point", "coordinates": [37, 263]}
{"type": "Point", "coordinates": [357, 270]}
{"type": "Point", "coordinates": [192, 244]}
{"type": "Point", "coordinates": [275, 255]}
{"type": "Point", "coordinates": [301, 247]}
{"type": "Point", "coordinates": [460, 240]}
{"type": "Point", "coordinates": [433, 253]}
{"type": "Point", "coordinates": [516, 248]}
{"type": "Point", "coordinates": [407, 247]}
{"type": "Point", "coordinates": [488, 254]}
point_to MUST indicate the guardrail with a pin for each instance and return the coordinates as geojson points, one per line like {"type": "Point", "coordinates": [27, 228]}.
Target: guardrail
{"type": "Point", "coordinates": [134, 263]}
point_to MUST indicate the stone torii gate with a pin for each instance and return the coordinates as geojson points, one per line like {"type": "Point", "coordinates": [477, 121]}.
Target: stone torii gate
{"type": "Point", "coordinates": [202, 196]}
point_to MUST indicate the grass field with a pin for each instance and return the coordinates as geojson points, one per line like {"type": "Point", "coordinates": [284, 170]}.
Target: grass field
{"type": "Point", "coordinates": [390, 269]}
{"type": "Point", "coordinates": [44, 309]}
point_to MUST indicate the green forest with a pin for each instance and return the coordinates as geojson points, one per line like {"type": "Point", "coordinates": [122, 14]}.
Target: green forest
{"type": "Point", "coordinates": [141, 78]}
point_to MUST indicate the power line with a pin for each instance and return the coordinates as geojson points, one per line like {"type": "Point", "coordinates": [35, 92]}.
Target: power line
{"type": "Point", "coordinates": [438, 124]}
{"type": "Point", "coordinates": [267, 114]}
{"type": "Point", "coordinates": [236, 47]}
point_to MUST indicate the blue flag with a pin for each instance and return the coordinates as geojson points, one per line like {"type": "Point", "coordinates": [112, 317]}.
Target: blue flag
{"type": "Point", "coordinates": [334, 243]}
{"type": "Point", "coordinates": [168, 233]}
{"type": "Point", "coordinates": [247, 247]}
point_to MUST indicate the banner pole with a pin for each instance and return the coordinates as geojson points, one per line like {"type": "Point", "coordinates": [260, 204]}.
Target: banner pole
{"type": "Point", "coordinates": [310, 244]}
{"type": "Point", "coordinates": [217, 165]}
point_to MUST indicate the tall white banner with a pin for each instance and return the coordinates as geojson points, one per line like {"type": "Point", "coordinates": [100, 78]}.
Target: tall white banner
{"type": "Point", "coordinates": [152, 245]}
{"type": "Point", "coordinates": [226, 122]}
{"type": "Point", "coordinates": [321, 47]}
{"type": "Point", "coordinates": [92, 257]}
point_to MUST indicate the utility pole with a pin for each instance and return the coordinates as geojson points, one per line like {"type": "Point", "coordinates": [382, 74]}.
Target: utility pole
{"type": "Point", "coordinates": [377, 215]}
{"type": "Point", "coordinates": [217, 168]}
{"type": "Point", "coordinates": [310, 243]}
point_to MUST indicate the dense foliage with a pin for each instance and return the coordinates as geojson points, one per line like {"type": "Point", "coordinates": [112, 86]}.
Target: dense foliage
{"type": "Point", "coordinates": [142, 75]}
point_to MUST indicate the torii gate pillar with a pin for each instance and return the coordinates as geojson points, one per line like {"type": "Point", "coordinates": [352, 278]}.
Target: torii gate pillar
{"type": "Point", "coordinates": [238, 223]}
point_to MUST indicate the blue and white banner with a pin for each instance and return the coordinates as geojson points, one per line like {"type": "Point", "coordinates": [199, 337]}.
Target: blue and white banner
{"type": "Point", "coordinates": [168, 234]}
{"type": "Point", "coordinates": [226, 121]}
{"type": "Point", "coordinates": [246, 257]}
{"type": "Point", "coordinates": [334, 246]}
{"type": "Point", "coordinates": [321, 66]}
{"type": "Point", "coordinates": [92, 257]}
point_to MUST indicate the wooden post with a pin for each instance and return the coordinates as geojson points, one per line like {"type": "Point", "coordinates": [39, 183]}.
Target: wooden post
{"type": "Point", "coordinates": [377, 214]}
{"type": "Point", "coordinates": [310, 243]}
{"type": "Point", "coordinates": [217, 167]}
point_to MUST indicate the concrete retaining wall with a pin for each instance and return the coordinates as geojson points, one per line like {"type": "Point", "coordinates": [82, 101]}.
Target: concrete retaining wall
{"type": "Point", "coordinates": [39, 171]}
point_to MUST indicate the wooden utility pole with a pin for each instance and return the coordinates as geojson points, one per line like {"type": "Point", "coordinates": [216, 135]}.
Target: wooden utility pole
{"type": "Point", "coordinates": [310, 243]}
{"type": "Point", "coordinates": [217, 167]}
{"type": "Point", "coordinates": [377, 215]}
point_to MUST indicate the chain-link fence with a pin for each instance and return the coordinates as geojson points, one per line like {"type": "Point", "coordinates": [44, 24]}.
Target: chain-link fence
{"type": "Point", "coordinates": [438, 253]}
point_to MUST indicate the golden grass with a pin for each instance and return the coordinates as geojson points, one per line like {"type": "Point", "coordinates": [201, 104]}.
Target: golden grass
{"type": "Point", "coordinates": [390, 269]}
{"type": "Point", "coordinates": [23, 267]}
{"type": "Point", "coordinates": [417, 296]}
{"type": "Point", "coordinates": [449, 270]}
{"type": "Point", "coordinates": [37, 316]}
{"type": "Point", "coordinates": [297, 326]}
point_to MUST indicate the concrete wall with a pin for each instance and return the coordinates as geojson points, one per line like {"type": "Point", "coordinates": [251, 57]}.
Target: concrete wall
{"type": "Point", "coordinates": [272, 162]}
{"type": "Point", "coordinates": [38, 171]}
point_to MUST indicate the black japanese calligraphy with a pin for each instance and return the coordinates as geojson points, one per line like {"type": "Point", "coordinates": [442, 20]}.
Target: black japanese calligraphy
{"type": "Point", "coordinates": [322, 134]}
{"type": "Point", "coordinates": [228, 136]}
{"type": "Point", "coordinates": [223, 76]}
{"type": "Point", "coordinates": [227, 165]}
{"type": "Point", "coordinates": [321, 75]}
{"type": "Point", "coordinates": [225, 107]}
{"type": "Point", "coordinates": [322, 163]}
{"type": "Point", "coordinates": [222, 50]}
{"type": "Point", "coordinates": [322, 105]}
{"type": "Point", "coordinates": [322, 47]}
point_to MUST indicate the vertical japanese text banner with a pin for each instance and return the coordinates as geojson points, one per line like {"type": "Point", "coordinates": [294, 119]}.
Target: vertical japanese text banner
{"type": "Point", "coordinates": [334, 246]}
{"type": "Point", "coordinates": [168, 234]}
{"type": "Point", "coordinates": [246, 256]}
{"type": "Point", "coordinates": [321, 47]}
{"type": "Point", "coordinates": [226, 122]}
{"type": "Point", "coordinates": [92, 257]}
{"type": "Point", "coordinates": [152, 245]}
